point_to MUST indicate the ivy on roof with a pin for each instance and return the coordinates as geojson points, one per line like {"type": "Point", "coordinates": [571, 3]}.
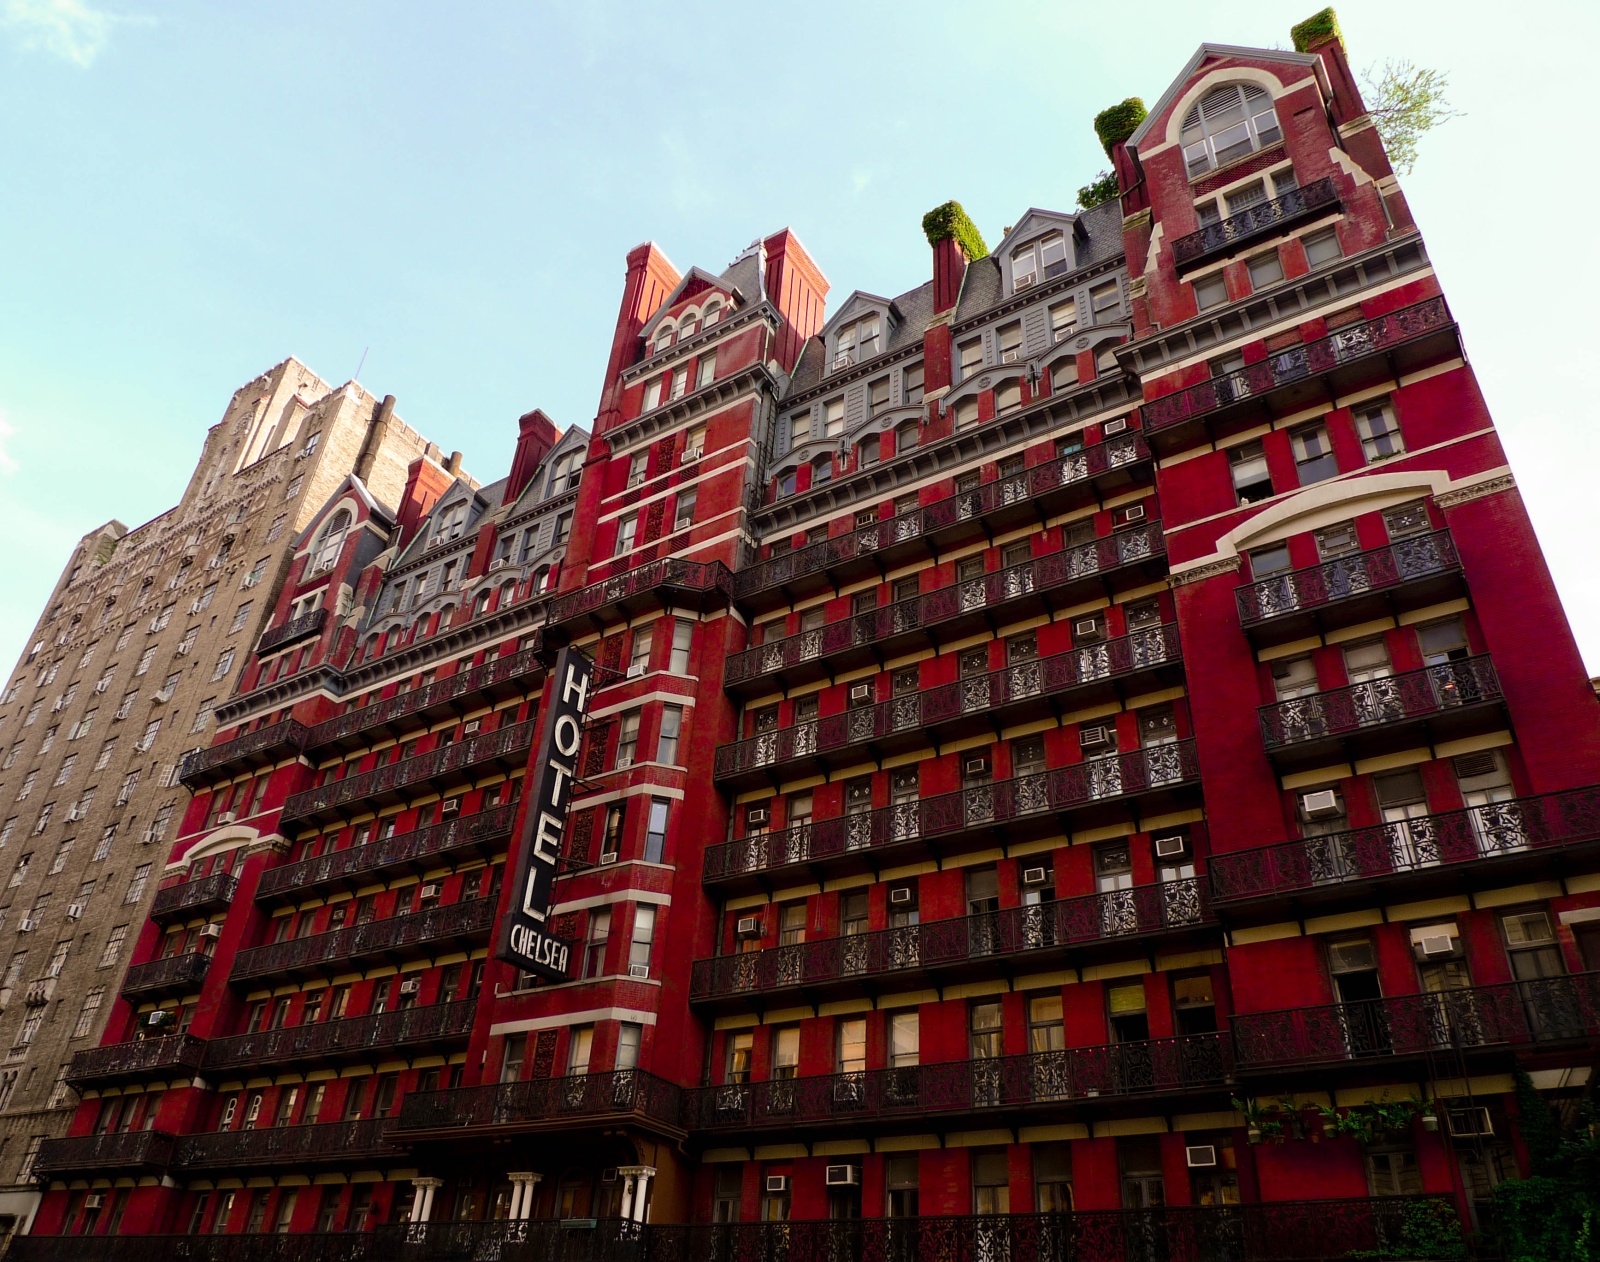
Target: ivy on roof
{"type": "Point", "coordinates": [1317, 29]}
{"type": "Point", "coordinates": [1116, 124]}
{"type": "Point", "coordinates": [943, 222]}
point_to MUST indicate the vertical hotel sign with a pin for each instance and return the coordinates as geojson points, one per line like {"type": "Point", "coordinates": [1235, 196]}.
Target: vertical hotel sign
{"type": "Point", "coordinates": [525, 938]}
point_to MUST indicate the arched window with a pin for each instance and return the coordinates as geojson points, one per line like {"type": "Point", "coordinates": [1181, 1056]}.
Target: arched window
{"type": "Point", "coordinates": [821, 470]}
{"type": "Point", "coordinates": [480, 603]}
{"type": "Point", "coordinates": [507, 591]}
{"type": "Point", "coordinates": [564, 475]}
{"type": "Point", "coordinates": [713, 313]}
{"type": "Point", "coordinates": [690, 325]}
{"type": "Point", "coordinates": [1007, 397]}
{"type": "Point", "coordinates": [663, 337]}
{"type": "Point", "coordinates": [332, 540]}
{"type": "Point", "coordinates": [906, 435]}
{"type": "Point", "coordinates": [541, 578]}
{"type": "Point", "coordinates": [1228, 122]}
{"type": "Point", "coordinates": [867, 452]}
{"type": "Point", "coordinates": [786, 482]}
{"type": "Point", "coordinates": [1064, 373]}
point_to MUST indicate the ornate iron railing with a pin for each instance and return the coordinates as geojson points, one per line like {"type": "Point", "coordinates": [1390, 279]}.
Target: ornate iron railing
{"type": "Point", "coordinates": [295, 629]}
{"type": "Point", "coordinates": [686, 576]}
{"type": "Point", "coordinates": [178, 1054]}
{"type": "Point", "coordinates": [1263, 219]}
{"type": "Point", "coordinates": [930, 519]}
{"type": "Point", "coordinates": [1542, 1010]}
{"type": "Point", "coordinates": [1344, 577]}
{"type": "Point", "coordinates": [174, 972]}
{"type": "Point", "coordinates": [461, 684]}
{"type": "Point", "coordinates": [1494, 830]}
{"type": "Point", "coordinates": [345, 1035]}
{"type": "Point", "coordinates": [1135, 912]}
{"type": "Point", "coordinates": [359, 1140]}
{"type": "Point", "coordinates": [970, 809]}
{"type": "Point", "coordinates": [998, 587]}
{"type": "Point", "coordinates": [1191, 1062]}
{"type": "Point", "coordinates": [1351, 343]}
{"type": "Point", "coordinates": [120, 1150]}
{"type": "Point", "coordinates": [503, 742]}
{"type": "Point", "coordinates": [472, 918]}
{"type": "Point", "coordinates": [215, 890]}
{"type": "Point", "coordinates": [1379, 702]}
{"type": "Point", "coordinates": [579, 1097]}
{"type": "Point", "coordinates": [287, 736]}
{"type": "Point", "coordinates": [463, 832]}
{"type": "Point", "coordinates": [348, 1246]}
{"type": "Point", "coordinates": [976, 694]}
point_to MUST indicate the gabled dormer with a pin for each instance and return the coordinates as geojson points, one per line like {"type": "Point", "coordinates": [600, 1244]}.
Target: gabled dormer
{"type": "Point", "coordinates": [1045, 244]}
{"type": "Point", "coordinates": [860, 330]}
{"type": "Point", "coordinates": [699, 302]}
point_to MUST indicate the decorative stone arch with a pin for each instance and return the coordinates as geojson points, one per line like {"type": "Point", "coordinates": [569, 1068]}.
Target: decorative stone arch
{"type": "Point", "coordinates": [1325, 503]}
{"type": "Point", "coordinates": [221, 840]}
{"type": "Point", "coordinates": [1262, 78]}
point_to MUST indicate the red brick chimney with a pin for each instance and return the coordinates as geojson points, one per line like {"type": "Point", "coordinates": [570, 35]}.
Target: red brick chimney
{"type": "Point", "coordinates": [537, 433]}
{"type": "Point", "coordinates": [949, 266]}
{"type": "Point", "coordinates": [425, 483]}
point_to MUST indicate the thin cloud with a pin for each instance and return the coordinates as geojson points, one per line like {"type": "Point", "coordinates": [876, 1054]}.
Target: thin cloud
{"type": "Point", "coordinates": [69, 29]}
{"type": "Point", "coordinates": [8, 462]}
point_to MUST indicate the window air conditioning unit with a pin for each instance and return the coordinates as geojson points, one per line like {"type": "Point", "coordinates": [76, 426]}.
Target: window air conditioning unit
{"type": "Point", "coordinates": [102, 685]}
{"type": "Point", "coordinates": [94, 1200]}
{"type": "Point", "coordinates": [609, 856]}
{"type": "Point", "coordinates": [1171, 847]}
{"type": "Point", "coordinates": [451, 806]}
{"type": "Point", "coordinates": [28, 925]}
{"type": "Point", "coordinates": [638, 970]}
{"type": "Point", "coordinates": [901, 895]}
{"type": "Point", "coordinates": [73, 814]}
{"type": "Point", "coordinates": [624, 761]}
{"type": "Point", "coordinates": [471, 729]}
{"type": "Point", "coordinates": [1470, 1121]}
{"type": "Point", "coordinates": [75, 911]}
{"type": "Point", "coordinates": [227, 817]}
{"type": "Point", "coordinates": [1323, 804]}
{"type": "Point", "coordinates": [411, 986]}
{"type": "Point", "coordinates": [635, 670]}
{"type": "Point", "coordinates": [1436, 944]}
{"type": "Point", "coordinates": [975, 767]}
{"type": "Point", "coordinates": [497, 563]}
{"type": "Point", "coordinates": [1034, 876]}
{"type": "Point", "coordinates": [326, 565]}
{"type": "Point", "coordinates": [1023, 282]}
{"type": "Point", "coordinates": [159, 1017]}
{"type": "Point", "coordinates": [843, 1176]}
{"type": "Point", "coordinates": [1117, 426]}
{"type": "Point", "coordinates": [860, 692]}
{"type": "Point", "coordinates": [194, 606]}
{"type": "Point", "coordinates": [757, 815]}
{"type": "Point", "coordinates": [183, 650]}
{"type": "Point", "coordinates": [749, 927]}
{"type": "Point", "coordinates": [1085, 627]}
{"type": "Point", "coordinates": [1009, 357]}
{"type": "Point", "coordinates": [1093, 737]}
{"type": "Point", "coordinates": [1200, 1155]}
{"type": "Point", "coordinates": [430, 890]}
{"type": "Point", "coordinates": [213, 930]}
{"type": "Point", "coordinates": [164, 696]}
{"type": "Point", "coordinates": [777, 1183]}
{"type": "Point", "coordinates": [1134, 512]}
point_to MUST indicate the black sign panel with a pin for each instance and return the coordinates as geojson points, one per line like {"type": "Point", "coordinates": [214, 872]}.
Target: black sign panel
{"type": "Point", "coordinates": [524, 938]}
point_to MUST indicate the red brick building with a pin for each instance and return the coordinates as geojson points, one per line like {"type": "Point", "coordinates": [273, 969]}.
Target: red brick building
{"type": "Point", "coordinates": [1066, 767]}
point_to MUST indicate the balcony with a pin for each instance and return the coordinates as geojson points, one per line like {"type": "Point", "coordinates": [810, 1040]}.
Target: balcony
{"type": "Point", "coordinates": [204, 894]}
{"type": "Point", "coordinates": [1521, 1015]}
{"type": "Point", "coordinates": [122, 1152]}
{"type": "Point", "coordinates": [681, 584]}
{"type": "Point", "coordinates": [260, 748]}
{"type": "Point", "coordinates": [307, 624]}
{"type": "Point", "coordinates": [1434, 704]}
{"type": "Point", "coordinates": [946, 951]}
{"type": "Point", "coordinates": [346, 1039]}
{"type": "Point", "coordinates": [1029, 806]}
{"type": "Point", "coordinates": [1264, 219]}
{"type": "Point", "coordinates": [273, 1147]}
{"type": "Point", "coordinates": [175, 1056]}
{"type": "Point", "coordinates": [497, 679]}
{"type": "Point", "coordinates": [412, 851]}
{"type": "Point", "coordinates": [1039, 585]}
{"type": "Point", "coordinates": [442, 768]}
{"type": "Point", "coordinates": [1409, 573]}
{"type": "Point", "coordinates": [259, 1247]}
{"type": "Point", "coordinates": [974, 704]}
{"type": "Point", "coordinates": [1385, 347]}
{"type": "Point", "coordinates": [412, 936]}
{"type": "Point", "coordinates": [1025, 1086]}
{"type": "Point", "coordinates": [581, 1102]}
{"type": "Point", "coordinates": [173, 975]}
{"type": "Point", "coordinates": [1496, 843]}
{"type": "Point", "coordinates": [991, 509]}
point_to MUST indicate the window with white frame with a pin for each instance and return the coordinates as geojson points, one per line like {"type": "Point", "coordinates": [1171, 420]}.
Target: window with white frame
{"type": "Point", "coordinates": [1063, 319]}
{"type": "Point", "coordinates": [626, 529]}
{"type": "Point", "coordinates": [1321, 247]}
{"type": "Point", "coordinates": [833, 418]}
{"type": "Point", "coordinates": [911, 385]}
{"type": "Point", "coordinates": [705, 370]}
{"type": "Point", "coordinates": [333, 539]}
{"type": "Point", "coordinates": [1039, 260]}
{"type": "Point", "coordinates": [680, 383]}
{"type": "Point", "coordinates": [566, 471]}
{"type": "Point", "coordinates": [683, 510]}
{"type": "Point", "coordinates": [636, 467]}
{"type": "Point", "coordinates": [970, 355]}
{"type": "Point", "coordinates": [1379, 430]}
{"type": "Point", "coordinates": [665, 332]}
{"type": "Point", "coordinates": [1210, 291]}
{"type": "Point", "coordinates": [858, 341]}
{"type": "Point", "coordinates": [1105, 302]}
{"type": "Point", "coordinates": [1226, 124]}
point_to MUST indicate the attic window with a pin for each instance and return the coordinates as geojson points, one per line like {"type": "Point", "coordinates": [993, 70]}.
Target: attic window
{"type": "Point", "coordinates": [713, 313]}
{"type": "Point", "coordinates": [663, 338]}
{"type": "Point", "coordinates": [859, 341]}
{"type": "Point", "coordinates": [690, 325]}
{"type": "Point", "coordinates": [1043, 259]}
{"type": "Point", "coordinates": [1228, 122]}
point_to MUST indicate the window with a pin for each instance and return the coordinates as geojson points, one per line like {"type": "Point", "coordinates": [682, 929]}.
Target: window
{"type": "Point", "coordinates": [683, 510]}
{"type": "Point", "coordinates": [1322, 247]}
{"type": "Point", "coordinates": [682, 638]}
{"type": "Point", "coordinates": [857, 342]}
{"type": "Point", "coordinates": [145, 659]}
{"type": "Point", "coordinates": [276, 528]}
{"type": "Point", "coordinates": [680, 384]}
{"type": "Point", "coordinates": [594, 946]}
{"type": "Point", "coordinates": [1265, 269]}
{"type": "Point", "coordinates": [113, 947]}
{"type": "Point", "coordinates": [644, 932]}
{"type": "Point", "coordinates": [851, 1046]}
{"type": "Point", "coordinates": [671, 728]}
{"type": "Point", "coordinates": [628, 741]}
{"type": "Point", "coordinates": [1248, 465]}
{"type": "Point", "coordinates": [1380, 432]}
{"type": "Point", "coordinates": [966, 412]}
{"type": "Point", "coordinates": [626, 528]}
{"type": "Point", "coordinates": [333, 539]}
{"type": "Point", "coordinates": [202, 716]}
{"type": "Point", "coordinates": [1210, 291]}
{"type": "Point", "coordinates": [629, 1035]}
{"type": "Point", "coordinates": [639, 658]}
{"type": "Point", "coordinates": [1313, 455]}
{"type": "Point", "coordinates": [705, 371]}
{"type": "Point", "coordinates": [224, 665]}
{"type": "Point", "coordinates": [991, 1183]}
{"type": "Point", "coordinates": [1105, 302]}
{"type": "Point", "coordinates": [636, 467]}
{"type": "Point", "coordinates": [655, 836]}
{"type": "Point", "coordinates": [905, 1039]}
{"type": "Point", "coordinates": [562, 530]}
{"type": "Point", "coordinates": [136, 884]}
{"type": "Point", "coordinates": [293, 488]}
{"type": "Point", "coordinates": [971, 356]}
{"type": "Point", "coordinates": [1226, 124]}
{"type": "Point", "coordinates": [86, 1014]}
{"type": "Point", "coordinates": [1063, 319]}
{"type": "Point", "coordinates": [1007, 398]}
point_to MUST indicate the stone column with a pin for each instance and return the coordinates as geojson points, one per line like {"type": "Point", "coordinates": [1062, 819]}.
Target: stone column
{"type": "Point", "coordinates": [635, 1191]}
{"type": "Point", "coordinates": [523, 1184]}
{"type": "Point", "coordinates": [422, 1198]}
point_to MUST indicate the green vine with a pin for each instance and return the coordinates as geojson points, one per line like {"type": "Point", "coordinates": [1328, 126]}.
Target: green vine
{"type": "Point", "coordinates": [1101, 191]}
{"type": "Point", "coordinates": [1116, 124]}
{"type": "Point", "coordinates": [1554, 1214]}
{"type": "Point", "coordinates": [1428, 1229]}
{"type": "Point", "coordinates": [1317, 29]}
{"type": "Point", "coordinates": [943, 222]}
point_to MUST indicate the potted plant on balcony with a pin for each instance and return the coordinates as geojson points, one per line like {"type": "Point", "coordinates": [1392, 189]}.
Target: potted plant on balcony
{"type": "Point", "coordinates": [1261, 1121]}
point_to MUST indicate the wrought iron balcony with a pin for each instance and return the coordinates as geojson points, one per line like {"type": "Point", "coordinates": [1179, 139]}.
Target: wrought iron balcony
{"type": "Point", "coordinates": [411, 936]}
{"type": "Point", "coordinates": [1022, 1084]}
{"type": "Point", "coordinates": [260, 748]}
{"type": "Point", "coordinates": [1264, 219]}
{"type": "Point", "coordinates": [1515, 1014]}
{"type": "Point", "coordinates": [414, 850]}
{"type": "Point", "coordinates": [581, 1101]}
{"type": "Point", "coordinates": [440, 768]}
{"type": "Point", "coordinates": [1411, 330]}
{"type": "Point", "coordinates": [948, 711]}
{"type": "Point", "coordinates": [173, 975]}
{"type": "Point", "coordinates": [174, 1056]}
{"type": "Point", "coordinates": [1353, 588]}
{"type": "Point", "coordinates": [330, 1143]}
{"type": "Point", "coordinates": [345, 1038]}
{"type": "Point", "coordinates": [306, 624]}
{"type": "Point", "coordinates": [674, 581]}
{"type": "Point", "coordinates": [1439, 697]}
{"type": "Point", "coordinates": [206, 893]}
{"type": "Point", "coordinates": [992, 507]}
{"type": "Point", "coordinates": [502, 677]}
{"type": "Point", "coordinates": [1045, 582]}
{"type": "Point", "coordinates": [1418, 851]}
{"type": "Point", "coordinates": [119, 1152]}
{"type": "Point", "coordinates": [344, 1246]}
{"type": "Point", "coordinates": [950, 949]}
{"type": "Point", "coordinates": [1025, 806]}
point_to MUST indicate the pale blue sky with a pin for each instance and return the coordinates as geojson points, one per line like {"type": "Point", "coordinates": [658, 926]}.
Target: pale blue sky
{"type": "Point", "coordinates": [194, 191]}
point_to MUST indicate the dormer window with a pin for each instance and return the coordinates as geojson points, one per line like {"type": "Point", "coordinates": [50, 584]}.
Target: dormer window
{"type": "Point", "coordinates": [1043, 259]}
{"type": "Point", "coordinates": [713, 313]}
{"type": "Point", "coordinates": [689, 327]}
{"type": "Point", "coordinates": [1228, 123]}
{"type": "Point", "coordinates": [451, 524]}
{"type": "Point", "coordinates": [859, 341]}
{"type": "Point", "coordinates": [663, 339]}
{"type": "Point", "coordinates": [565, 474]}
{"type": "Point", "coordinates": [332, 540]}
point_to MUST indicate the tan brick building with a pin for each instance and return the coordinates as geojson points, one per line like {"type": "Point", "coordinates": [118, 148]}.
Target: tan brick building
{"type": "Point", "coordinates": [146, 630]}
